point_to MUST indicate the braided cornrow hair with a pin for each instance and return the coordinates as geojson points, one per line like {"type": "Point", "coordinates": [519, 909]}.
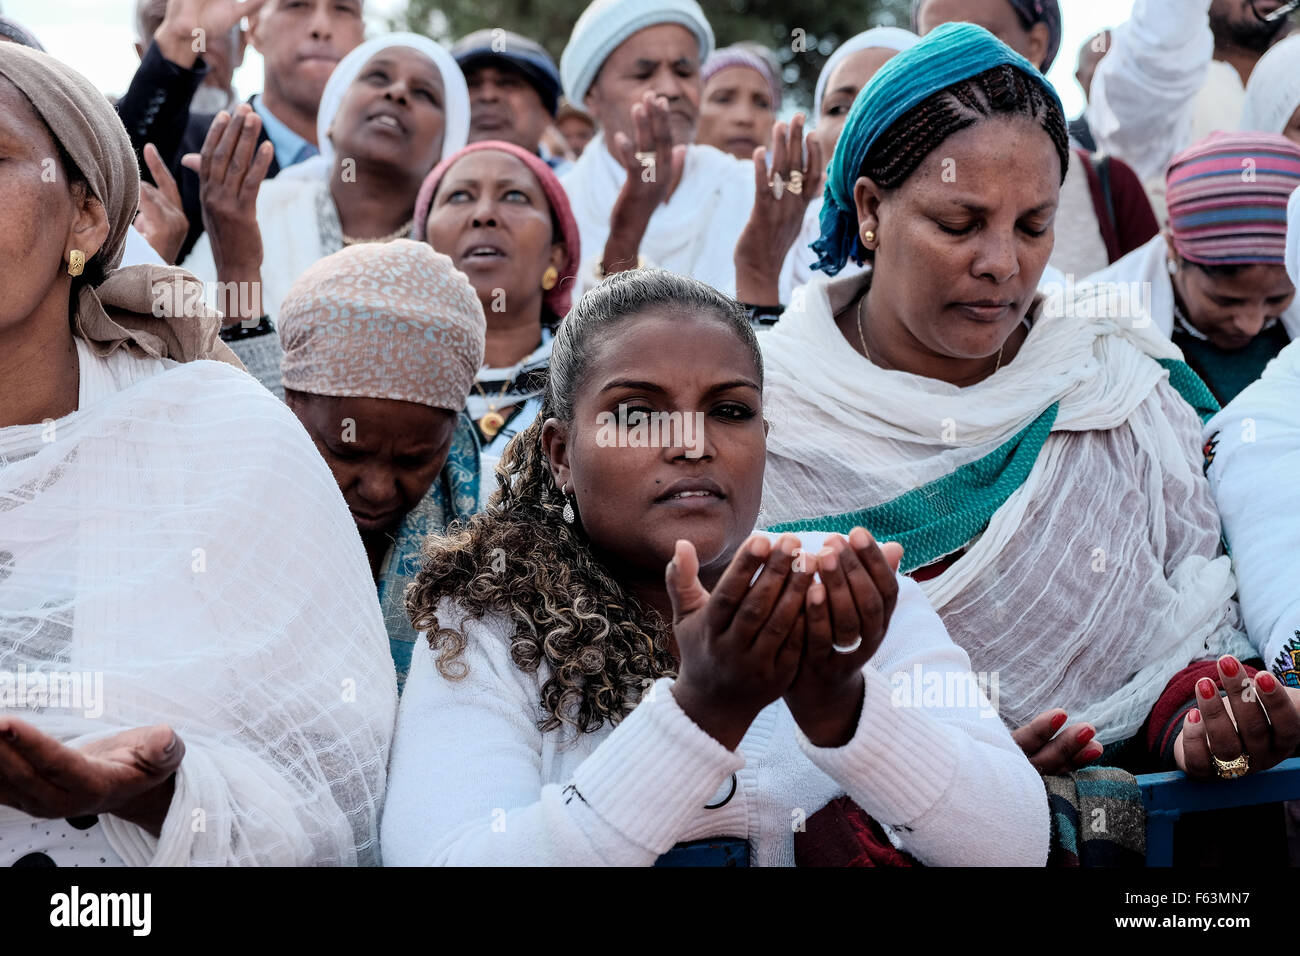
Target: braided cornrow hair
{"type": "Point", "coordinates": [1002, 90]}
{"type": "Point", "coordinates": [520, 559]}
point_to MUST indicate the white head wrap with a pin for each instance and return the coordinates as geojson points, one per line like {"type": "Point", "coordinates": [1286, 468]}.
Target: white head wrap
{"type": "Point", "coordinates": [1273, 92]}
{"type": "Point", "coordinates": [1293, 238]}
{"type": "Point", "coordinates": [885, 38]}
{"type": "Point", "coordinates": [455, 109]}
{"type": "Point", "coordinates": [607, 23]}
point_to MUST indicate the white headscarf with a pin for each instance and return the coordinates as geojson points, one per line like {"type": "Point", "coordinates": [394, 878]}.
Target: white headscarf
{"type": "Point", "coordinates": [885, 38]}
{"type": "Point", "coordinates": [455, 110]}
{"type": "Point", "coordinates": [1273, 92]}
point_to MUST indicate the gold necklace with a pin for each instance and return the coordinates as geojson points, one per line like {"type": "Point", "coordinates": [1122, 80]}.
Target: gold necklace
{"type": "Point", "coordinates": [492, 421]}
{"type": "Point", "coordinates": [397, 234]}
{"type": "Point", "coordinates": [863, 339]}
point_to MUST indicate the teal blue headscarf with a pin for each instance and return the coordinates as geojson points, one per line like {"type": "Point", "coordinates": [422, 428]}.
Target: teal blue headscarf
{"type": "Point", "coordinates": [946, 56]}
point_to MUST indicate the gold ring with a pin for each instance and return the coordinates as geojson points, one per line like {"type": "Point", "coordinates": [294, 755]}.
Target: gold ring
{"type": "Point", "coordinates": [777, 185]}
{"type": "Point", "coordinates": [1231, 769]}
{"type": "Point", "coordinates": [796, 182]}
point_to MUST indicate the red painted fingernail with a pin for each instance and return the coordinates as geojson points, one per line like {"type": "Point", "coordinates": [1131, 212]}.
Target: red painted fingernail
{"type": "Point", "coordinates": [1059, 721]}
{"type": "Point", "coordinates": [1193, 716]}
{"type": "Point", "coordinates": [1266, 682]}
{"type": "Point", "coordinates": [1090, 754]}
{"type": "Point", "coordinates": [1085, 735]}
{"type": "Point", "coordinates": [1205, 687]}
{"type": "Point", "coordinates": [1228, 664]}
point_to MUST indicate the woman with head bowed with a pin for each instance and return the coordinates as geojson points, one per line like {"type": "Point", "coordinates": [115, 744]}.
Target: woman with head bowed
{"type": "Point", "coordinates": [171, 667]}
{"type": "Point", "coordinates": [740, 100]}
{"type": "Point", "coordinates": [613, 668]}
{"type": "Point", "coordinates": [1104, 212]}
{"type": "Point", "coordinates": [1216, 278]}
{"type": "Point", "coordinates": [381, 344]}
{"type": "Point", "coordinates": [1042, 468]}
{"type": "Point", "coordinates": [501, 215]}
{"type": "Point", "coordinates": [645, 192]}
{"type": "Point", "coordinates": [393, 107]}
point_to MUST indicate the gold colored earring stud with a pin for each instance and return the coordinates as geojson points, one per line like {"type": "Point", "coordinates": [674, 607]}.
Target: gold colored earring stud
{"type": "Point", "coordinates": [868, 236]}
{"type": "Point", "coordinates": [550, 277]}
{"type": "Point", "coordinates": [76, 263]}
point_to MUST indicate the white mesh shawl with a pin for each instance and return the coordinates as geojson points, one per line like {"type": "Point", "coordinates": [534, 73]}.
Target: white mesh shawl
{"type": "Point", "coordinates": [1100, 577]}
{"type": "Point", "coordinates": [181, 536]}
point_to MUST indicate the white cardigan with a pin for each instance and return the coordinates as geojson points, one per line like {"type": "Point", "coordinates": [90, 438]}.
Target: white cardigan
{"type": "Point", "coordinates": [473, 781]}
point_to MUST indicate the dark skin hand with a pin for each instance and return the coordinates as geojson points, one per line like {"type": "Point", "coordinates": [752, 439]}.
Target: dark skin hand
{"type": "Point", "coordinates": [1052, 750]}
{"type": "Point", "coordinates": [131, 775]}
{"type": "Point", "coordinates": [644, 189]}
{"type": "Point", "coordinates": [161, 219]}
{"type": "Point", "coordinates": [1260, 719]}
{"type": "Point", "coordinates": [231, 168]}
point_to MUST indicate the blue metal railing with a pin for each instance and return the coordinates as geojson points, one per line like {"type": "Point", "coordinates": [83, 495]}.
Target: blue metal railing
{"type": "Point", "coordinates": [1167, 796]}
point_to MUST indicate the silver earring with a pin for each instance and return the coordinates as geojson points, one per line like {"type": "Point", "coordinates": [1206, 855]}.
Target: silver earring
{"type": "Point", "coordinates": [567, 514]}
{"type": "Point", "coordinates": [1171, 266]}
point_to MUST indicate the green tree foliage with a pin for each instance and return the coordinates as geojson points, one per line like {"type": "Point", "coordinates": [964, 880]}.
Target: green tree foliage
{"type": "Point", "coordinates": [801, 33]}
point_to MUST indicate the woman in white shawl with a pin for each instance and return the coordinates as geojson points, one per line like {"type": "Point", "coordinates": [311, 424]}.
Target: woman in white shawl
{"type": "Point", "coordinates": [643, 192]}
{"type": "Point", "coordinates": [392, 108]}
{"type": "Point", "coordinates": [1042, 472]}
{"type": "Point", "coordinates": [1252, 451]}
{"type": "Point", "coordinates": [176, 687]}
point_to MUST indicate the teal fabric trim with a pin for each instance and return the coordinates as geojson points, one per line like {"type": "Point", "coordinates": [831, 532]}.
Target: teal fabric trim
{"type": "Point", "coordinates": [1189, 385]}
{"type": "Point", "coordinates": [942, 516]}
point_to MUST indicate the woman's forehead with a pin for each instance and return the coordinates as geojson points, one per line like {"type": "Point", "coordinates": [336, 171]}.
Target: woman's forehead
{"type": "Point", "coordinates": [406, 57]}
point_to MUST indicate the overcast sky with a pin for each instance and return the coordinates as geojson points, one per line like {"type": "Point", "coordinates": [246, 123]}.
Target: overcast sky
{"type": "Point", "coordinates": [95, 36]}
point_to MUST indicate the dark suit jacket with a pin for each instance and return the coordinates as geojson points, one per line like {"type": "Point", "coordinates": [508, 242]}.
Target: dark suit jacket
{"type": "Point", "coordinates": [156, 109]}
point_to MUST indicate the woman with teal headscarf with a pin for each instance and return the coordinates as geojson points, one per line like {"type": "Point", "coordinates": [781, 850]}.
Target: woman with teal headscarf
{"type": "Point", "coordinates": [1039, 460]}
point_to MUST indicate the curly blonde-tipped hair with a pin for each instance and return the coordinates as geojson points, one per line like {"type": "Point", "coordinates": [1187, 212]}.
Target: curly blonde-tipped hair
{"type": "Point", "coordinates": [519, 557]}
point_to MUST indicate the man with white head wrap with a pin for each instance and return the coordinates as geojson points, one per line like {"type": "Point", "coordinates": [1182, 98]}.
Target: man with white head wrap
{"type": "Point", "coordinates": [687, 204]}
{"type": "Point", "coordinates": [392, 108]}
{"type": "Point", "coordinates": [1252, 454]}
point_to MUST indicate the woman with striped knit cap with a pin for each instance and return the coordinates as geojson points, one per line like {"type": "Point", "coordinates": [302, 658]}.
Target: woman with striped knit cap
{"type": "Point", "coordinates": [1219, 287]}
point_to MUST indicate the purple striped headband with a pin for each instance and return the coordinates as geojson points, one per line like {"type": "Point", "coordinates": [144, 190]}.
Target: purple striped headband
{"type": "Point", "coordinates": [1227, 198]}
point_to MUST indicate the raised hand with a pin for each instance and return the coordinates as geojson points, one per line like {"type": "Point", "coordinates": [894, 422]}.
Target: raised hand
{"type": "Point", "coordinates": [1260, 722]}
{"type": "Point", "coordinates": [735, 644]}
{"type": "Point", "coordinates": [1051, 752]}
{"type": "Point", "coordinates": [650, 179]}
{"type": "Point", "coordinates": [781, 198]}
{"type": "Point", "coordinates": [231, 169]}
{"type": "Point", "coordinates": [176, 36]}
{"type": "Point", "coordinates": [129, 775]}
{"type": "Point", "coordinates": [161, 217]}
{"type": "Point", "coordinates": [849, 607]}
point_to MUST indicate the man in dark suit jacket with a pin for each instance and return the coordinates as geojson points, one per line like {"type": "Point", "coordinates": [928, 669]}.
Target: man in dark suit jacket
{"type": "Point", "coordinates": [300, 41]}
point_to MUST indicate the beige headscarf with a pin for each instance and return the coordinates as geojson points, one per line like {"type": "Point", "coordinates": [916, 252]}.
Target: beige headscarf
{"type": "Point", "coordinates": [390, 320]}
{"type": "Point", "coordinates": [120, 312]}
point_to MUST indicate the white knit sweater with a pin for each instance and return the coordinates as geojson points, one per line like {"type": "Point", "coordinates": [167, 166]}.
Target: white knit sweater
{"type": "Point", "coordinates": [473, 781]}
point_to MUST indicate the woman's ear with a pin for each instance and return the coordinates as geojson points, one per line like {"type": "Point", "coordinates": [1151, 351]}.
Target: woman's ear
{"type": "Point", "coordinates": [555, 445]}
{"type": "Point", "coordinates": [89, 223]}
{"type": "Point", "coordinates": [1039, 38]}
{"type": "Point", "coordinates": [866, 199]}
{"type": "Point", "coordinates": [1172, 259]}
{"type": "Point", "coordinates": [558, 255]}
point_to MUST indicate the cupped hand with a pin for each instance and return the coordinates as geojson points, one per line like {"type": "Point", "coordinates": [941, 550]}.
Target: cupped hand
{"type": "Point", "coordinates": [128, 774]}
{"type": "Point", "coordinates": [850, 605]}
{"type": "Point", "coordinates": [738, 644]}
{"type": "Point", "coordinates": [1052, 750]}
{"type": "Point", "coordinates": [1257, 718]}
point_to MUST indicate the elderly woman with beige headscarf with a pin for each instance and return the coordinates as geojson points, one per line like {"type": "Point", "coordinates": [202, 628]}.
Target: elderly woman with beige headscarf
{"type": "Point", "coordinates": [381, 346]}
{"type": "Point", "coordinates": [176, 687]}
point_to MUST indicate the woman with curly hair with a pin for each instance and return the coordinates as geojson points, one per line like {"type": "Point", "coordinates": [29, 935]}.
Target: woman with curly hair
{"type": "Point", "coordinates": [578, 705]}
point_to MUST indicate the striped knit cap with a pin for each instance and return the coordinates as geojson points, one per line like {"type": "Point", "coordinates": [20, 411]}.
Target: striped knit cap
{"type": "Point", "coordinates": [1227, 198]}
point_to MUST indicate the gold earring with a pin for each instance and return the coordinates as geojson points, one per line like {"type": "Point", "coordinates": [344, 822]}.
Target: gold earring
{"type": "Point", "coordinates": [76, 263]}
{"type": "Point", "coordinates": [868, 236]}
{"type": "Point", "coordinates": [550, 277]}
